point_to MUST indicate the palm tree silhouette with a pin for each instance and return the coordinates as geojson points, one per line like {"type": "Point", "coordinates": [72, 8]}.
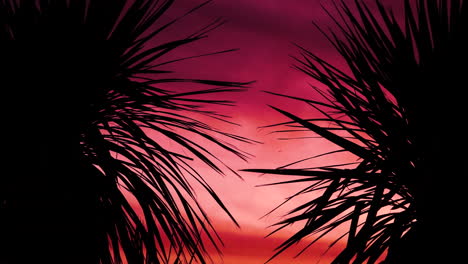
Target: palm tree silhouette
{"type": "Point", "coordinates": [88, 111]}
{"type": "Point", "coordinates": [398, 110]}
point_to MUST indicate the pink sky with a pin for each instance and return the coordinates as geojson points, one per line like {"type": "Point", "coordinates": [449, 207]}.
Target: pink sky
{"type": "Point", "coordinates": [264, 30]}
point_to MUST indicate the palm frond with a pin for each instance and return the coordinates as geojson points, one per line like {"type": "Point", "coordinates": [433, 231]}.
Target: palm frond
{"type": "Point", "coordinates": [391, 95]}
{"type": "Point", "coordinates": [89, 75]}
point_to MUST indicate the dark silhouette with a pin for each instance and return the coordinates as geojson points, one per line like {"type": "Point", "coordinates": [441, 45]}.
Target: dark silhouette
{"type": "Point", "coordinates": [400, 110]}
{"type": "Point", "coordinates": [87, 111]}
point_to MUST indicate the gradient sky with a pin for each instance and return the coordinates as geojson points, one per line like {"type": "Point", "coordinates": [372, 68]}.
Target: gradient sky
{"type": "Point", "coordinates": [264, 31]}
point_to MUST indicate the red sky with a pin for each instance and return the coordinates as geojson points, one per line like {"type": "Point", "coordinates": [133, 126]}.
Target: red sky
{"type": "Point", "coordinates": [264, 31]}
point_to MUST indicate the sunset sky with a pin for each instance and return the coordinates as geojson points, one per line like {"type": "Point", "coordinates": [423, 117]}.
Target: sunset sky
{"type": "Point", "coordinates": [264, 31]}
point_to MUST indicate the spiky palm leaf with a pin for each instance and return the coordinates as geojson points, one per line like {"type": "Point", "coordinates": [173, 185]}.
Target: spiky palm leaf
{"type": "Point", "coordinates": [101, 136]}
{"type": "Point", "coordinates": [388, 112]}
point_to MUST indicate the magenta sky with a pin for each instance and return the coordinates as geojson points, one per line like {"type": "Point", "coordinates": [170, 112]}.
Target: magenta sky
{"type": "Point", "coordinates": [264, 31]}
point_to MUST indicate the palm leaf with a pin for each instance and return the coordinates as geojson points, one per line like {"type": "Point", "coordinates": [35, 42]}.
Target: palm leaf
{"type": "Point", "coordinates": [89, 75]}
{"type": "Point", "coordinates": [381, 111]}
